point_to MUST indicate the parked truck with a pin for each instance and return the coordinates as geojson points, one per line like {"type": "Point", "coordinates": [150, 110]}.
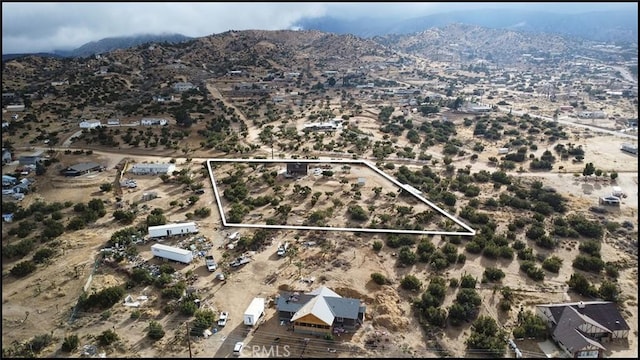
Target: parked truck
{"type": "Point", "coordinates": [211, 263]}
{"type": "Point", "coordinates": [254, 312]}
{"type": "Point", "coordinates": [282, 249]}
{"type": "Point", "coordinates": [240, 260]}
{"type": "Point", "coordinates": [172, 253]}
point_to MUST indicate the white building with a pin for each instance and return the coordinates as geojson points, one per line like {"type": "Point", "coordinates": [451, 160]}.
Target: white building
{"type": "Point", "coordinates": [153, 169]}
{"type": "Point", "coordinates": [183, 86]}
{"type": "Point", "coordinates": [90, 124]}
{"type": "Point", "coordinates": [15, 107]}
{"type": "Point", "coordinates": [331, 125]}
{"type": "Point", "coordinates": [153, 121]}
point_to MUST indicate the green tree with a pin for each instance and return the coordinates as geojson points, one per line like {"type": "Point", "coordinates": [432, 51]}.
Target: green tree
{"type": "Point", "coordinates": [70, 343]}
{"type": "Point", "coordinates": [411, 282]}
{"type": "Point", "coordinates": [486, 336]}
{"type": "Point", "coordinates": [155, 330]}
{"type": "Point", "coordinates": [609, 291]}
{"type": "Point", "coordinates": [589, 169]}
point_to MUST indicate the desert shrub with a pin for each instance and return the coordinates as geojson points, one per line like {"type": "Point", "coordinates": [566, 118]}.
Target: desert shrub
{"type": "Point", "coordinates": [609, 291]}
{"type": "Point", "coordinates": [530, 326]}
{"type": "Point", "coordinates": [103, 299]}
{"type": "Point", "coordinates": [552, 264]}
{"type": "Point", "coordinates": [611, 270]}
{"type": "Point", "coordinates": [23, 268]}
{"type": "Point", "coordinates": [411, 282]}
{"type": "Point", "coordinates": [107, 337]}
{"type": "Point", "coordinates": [590, 247]}
{"type": "Point", "coordinates": [493, 274]}
{"type": "Point", "coordinates": [406, 256]}
{"type": "Point", "coordinates": [43, 254]}
{"type": "Point", "coordinates": [204, 319]}
{"type": "Point", "coordinates": [19, 250]}
{"type": "Point", "coordinates": [468, 281]}
{"type": "Point", "coordinates": [39, 342]}
{"type": "Point", "coordinates": [357, 213]}
{"type": "Point", "coordinates": [465, 306]}
{"type": "Point", "coordinates": [174, 292]}
{"type": "Point", "coordinates": [188, 307]}
{"type": "Point", "coordinates": [584, 227]}
{"type": "Point", "coordinates": [155, 330]}
{"type": "Point", "coordinates": [141, 276]}
{"type": "Point", "coordinates": [487, 337]}
{"type": "Point", "coordinates": [580, 284]}
{"type": "Point", "coordinates": [377, 245]}
{"type": "Point", "coordinates": [379, 279]}
{"type": "Point", "coordinates": [588, 263]}
{"type": "Point", "coordinates": [70, 343]}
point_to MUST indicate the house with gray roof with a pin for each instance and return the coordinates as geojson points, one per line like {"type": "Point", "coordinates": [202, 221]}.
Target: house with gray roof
{"type": "Point", "coordinates": [581, 328]}
{"type": "Point", "coordinates": [320, 312]}
{"type": "Point", "coordinates": [82, 168]}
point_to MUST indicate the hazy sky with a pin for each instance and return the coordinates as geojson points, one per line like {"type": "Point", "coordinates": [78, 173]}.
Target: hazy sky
{"type": "Point", "coordinates": [42, 27]}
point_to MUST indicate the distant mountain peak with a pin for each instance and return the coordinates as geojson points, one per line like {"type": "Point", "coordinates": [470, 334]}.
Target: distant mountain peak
{"type": "Point", "coordinates": [122, 42]}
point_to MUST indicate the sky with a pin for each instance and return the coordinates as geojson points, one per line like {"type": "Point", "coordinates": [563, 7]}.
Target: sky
{"type": "Point", "coordinates": [47, 26]}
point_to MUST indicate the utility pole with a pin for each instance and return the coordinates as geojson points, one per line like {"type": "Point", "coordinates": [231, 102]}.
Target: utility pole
{"type": "Point", "coordinates": [189, 340]}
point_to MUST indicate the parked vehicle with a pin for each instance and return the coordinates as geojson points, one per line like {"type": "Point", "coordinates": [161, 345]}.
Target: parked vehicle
{"type": "Point", "coordinates": [211, 263]}
{"type": "Point", "coordinates": [240, 261]}
{"type": "Point", "coordinates": [172, 253]}
{"type": "Point", "coordinates": [237, 348]}
{"type": "Point", "coordinates": [222, 319]}
{"type": "Point", "coordinates": [282, 249]}
{"type": "Point", "coordinates": [610, 200]}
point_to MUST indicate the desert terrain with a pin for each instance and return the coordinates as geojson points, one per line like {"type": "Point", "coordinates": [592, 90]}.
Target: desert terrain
{"type": "Point", "coordinates": [44, 301]}
{"type": "Point", "coordinates": [388, 315]}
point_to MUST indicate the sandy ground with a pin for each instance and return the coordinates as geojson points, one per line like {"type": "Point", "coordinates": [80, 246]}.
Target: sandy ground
{"type": "Point", "coordinates": [50, 294]}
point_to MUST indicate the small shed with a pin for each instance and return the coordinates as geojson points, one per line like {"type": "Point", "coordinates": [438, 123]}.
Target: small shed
{"type": "Point", "coordinates": [149, 195]}
{"type": "Point", "coordinates": [297, 168]}
{"type": "Point", "coordinates": [153, 169]}
{"type": "Point", "coordinates": [82, 168]}
{"type": "Point", "coordinates": [30, 159]}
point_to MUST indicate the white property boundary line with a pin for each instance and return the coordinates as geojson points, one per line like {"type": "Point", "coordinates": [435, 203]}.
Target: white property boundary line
{"type": "Point", "coordinates": [470, 232]}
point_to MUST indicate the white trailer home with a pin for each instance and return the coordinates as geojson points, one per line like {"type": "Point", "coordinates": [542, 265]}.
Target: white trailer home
{"type": "Point", "coordinates": [15, 108]}
{"type": "Point", "coordinates": [630, 148]}
{"type": "Point", "coordinates": [172, 253]}
{"type": "Point", "coordinates": [254, 312]}
{"type": "Point", "coordinates": [153, 169]}
{"type": "Point", "coordinates": [172, 229]}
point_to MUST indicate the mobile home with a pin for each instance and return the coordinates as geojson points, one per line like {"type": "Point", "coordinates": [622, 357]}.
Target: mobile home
{"type": "Point", "coordinates": [172, 253]}
{"type": "Point", "coordinates": [172, 229]}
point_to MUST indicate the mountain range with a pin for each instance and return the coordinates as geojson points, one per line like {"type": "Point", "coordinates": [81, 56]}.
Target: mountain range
{"type": "Point", "coordinates": [619, 27]}
{"type": "Point", "coordinates": [606, 26]}
{"type": "Point", "coordinates": [109, 44]}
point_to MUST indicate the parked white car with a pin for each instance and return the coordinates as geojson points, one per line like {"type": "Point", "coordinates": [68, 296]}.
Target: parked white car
{"type": "Point", "coordinates": [237, 348]}
{"type": "Point", "coordinates": [222, 319]}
